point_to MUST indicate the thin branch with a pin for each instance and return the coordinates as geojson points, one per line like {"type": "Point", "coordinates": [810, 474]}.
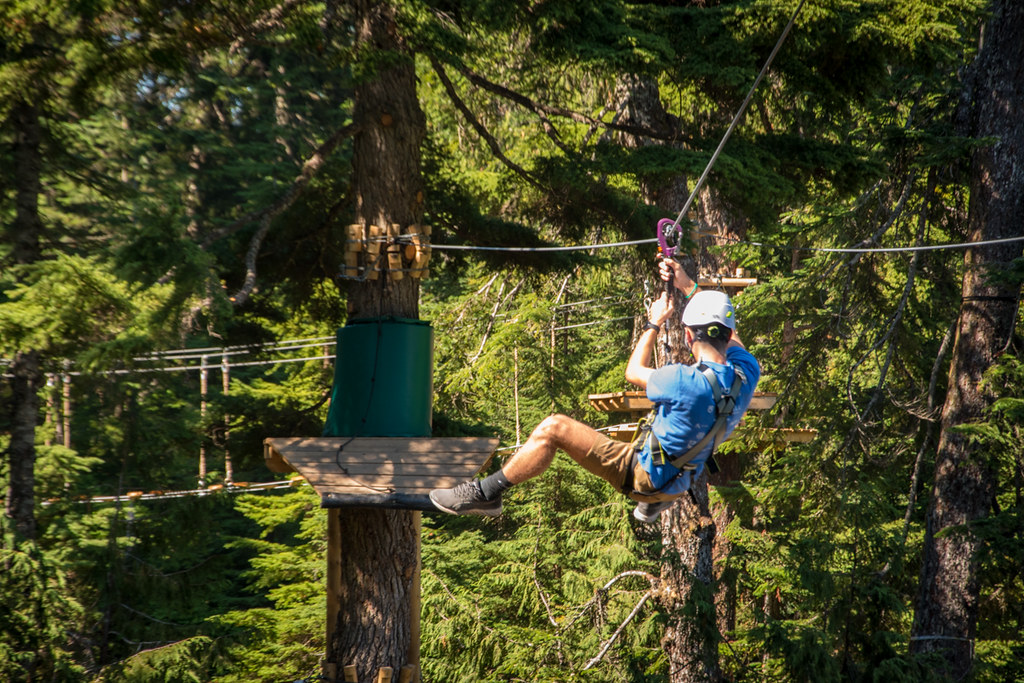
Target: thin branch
{"type": "Point", "coordinates": [271, 19]}
{"type": "Point", "coordinates": [243, 293]}
{"type": "Point", "coordinates": [599, 593]}
{"type": "Point", "coordinates": [152, 618]}
{"type": "Point", "coordinates": [896, 317]}
{"type": "Point", "coordinates": [479, 127]}
{"type": "Point", "coordinates": [896, 212]}
{"type": "Point", "coordinates": [494, 313]}
{"type": "Point", "coordinates": [310, 168]}
{"type": "Point", "coordinates": [928, 427]}
{"type": "Point", "coordinates": [539, 110]}
{"type": "Point", "coordinates": [544, 110]}
{"type": "Point", "coordinates": [611, 641]}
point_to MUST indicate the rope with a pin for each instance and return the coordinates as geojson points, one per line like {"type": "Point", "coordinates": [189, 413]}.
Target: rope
{"type": "Point", "coordinates": [739, 113]}
{"type": "Point", "coordinates": [158, 495]}
{"type": "Point", "coordinates": [654, 240]}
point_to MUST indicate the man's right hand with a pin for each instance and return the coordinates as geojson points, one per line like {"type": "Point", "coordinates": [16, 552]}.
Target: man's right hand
{"type": "Point", "coordinates": [671, 270]}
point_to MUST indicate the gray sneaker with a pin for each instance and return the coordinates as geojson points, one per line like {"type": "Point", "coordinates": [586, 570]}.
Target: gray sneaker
{"type": "Point", "coordinates": [465, 499]}
{"type": "Point", "coordinates": [649, 512]}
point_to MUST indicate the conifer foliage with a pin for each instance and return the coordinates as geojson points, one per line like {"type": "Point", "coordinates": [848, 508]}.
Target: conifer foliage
{"type": "Point", "coordinates": [181, 175]}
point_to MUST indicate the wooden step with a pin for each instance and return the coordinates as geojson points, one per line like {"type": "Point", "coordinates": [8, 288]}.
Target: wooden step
{"type": "Point", "coordinates": [637, 401]}
{"type": "Point", "coordinates": [392, 472]}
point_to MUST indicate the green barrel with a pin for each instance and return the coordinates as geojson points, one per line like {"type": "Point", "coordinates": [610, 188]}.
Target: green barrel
{"type": "Point", "coordinates": [383, 379]}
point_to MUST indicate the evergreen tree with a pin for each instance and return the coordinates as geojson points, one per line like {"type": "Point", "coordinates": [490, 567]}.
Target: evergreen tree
{"type": "Point", "coordinates": [947, 607]}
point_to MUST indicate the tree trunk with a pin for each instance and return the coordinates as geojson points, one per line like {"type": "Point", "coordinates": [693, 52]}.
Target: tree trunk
{"type": "Point", "coordinates": [25, 385]}
{"type": "Point", "coordinates": [688, 530]}
{"type": "Point", "coordinates": [24, 236]}
{"type": "Point", "coordinates": [688, 589]}
{"type": "Point", "coordinates": [377, 619]}
{"type": "Point", "coordinates": [946, 612]}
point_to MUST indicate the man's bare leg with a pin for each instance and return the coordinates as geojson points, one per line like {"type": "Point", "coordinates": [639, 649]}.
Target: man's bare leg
{"type": "Point", "coordinates": [554, 433]}
{"type": "Point", "coordinates": [483, 497]}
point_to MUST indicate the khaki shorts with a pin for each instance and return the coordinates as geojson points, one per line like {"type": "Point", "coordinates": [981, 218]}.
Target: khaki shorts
{"type": "Point", "coordinates": [616, 463]}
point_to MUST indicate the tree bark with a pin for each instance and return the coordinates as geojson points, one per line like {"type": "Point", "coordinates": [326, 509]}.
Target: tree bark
{"type": "Point", "coordinates": [688, 579]}
{"type": "Point", "coordinates": [688, 530]}
{"type": "Point", "coordinates": [377, 620]}
{"type": "Point", "coordinates": [946, 612]}
{"type": "Point", "coordinates": [24, 235]}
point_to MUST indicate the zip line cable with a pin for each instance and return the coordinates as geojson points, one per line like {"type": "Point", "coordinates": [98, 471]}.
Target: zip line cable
{"type": "Point", "coordinates": [879, 250]}
{"type": "Point", "coordinates": [578, 247]}
{"type": "Point", "coordinates": [832, 250]}
{"type": "Point", "coordinates": [739, 114]}
{"type": "Point", "coordinates": [210, 490]}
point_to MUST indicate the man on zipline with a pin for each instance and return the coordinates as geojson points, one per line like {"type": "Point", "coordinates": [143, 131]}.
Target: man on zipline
{"type": "Point", "coordinates": [695, 409]}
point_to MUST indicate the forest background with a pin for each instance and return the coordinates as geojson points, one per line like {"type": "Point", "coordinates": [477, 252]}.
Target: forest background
{"type": "Point", "coordinates": [179, 176]}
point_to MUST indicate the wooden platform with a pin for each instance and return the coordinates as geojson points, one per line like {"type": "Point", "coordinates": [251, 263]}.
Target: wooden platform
{"type": "Point", "coordinates": [624, 432]}
{"type": "Point", "coordinates": [637, 402]}
{"type": "Point", "coordinates": [389, 472]}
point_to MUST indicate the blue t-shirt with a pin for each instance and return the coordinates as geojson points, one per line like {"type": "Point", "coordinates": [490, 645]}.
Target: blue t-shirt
{"type": "Point", "coordinates": [685, 412]}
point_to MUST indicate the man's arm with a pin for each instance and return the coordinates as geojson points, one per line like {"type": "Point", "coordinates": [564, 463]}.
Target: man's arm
{"type": "Point", "coordinates": [639, 369]}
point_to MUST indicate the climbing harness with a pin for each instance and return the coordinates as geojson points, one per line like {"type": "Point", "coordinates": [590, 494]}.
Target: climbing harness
{"type": "Point", "coordinates": [725, 403]}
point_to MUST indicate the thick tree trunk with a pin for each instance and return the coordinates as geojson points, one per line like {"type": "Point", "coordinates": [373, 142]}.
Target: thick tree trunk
{"type": "Point", "coordinates": [688, 590]}
{"type": "Point", "coordinates": [946, 613]}
{"type": "Point", "coordinates": [25, 386]}
{"type": "Point", "coordinates": [377, 621]}
{"type": "Point", "coordinates": [688, 530]}
{"type": "Point", "coordinates": [24, 235]}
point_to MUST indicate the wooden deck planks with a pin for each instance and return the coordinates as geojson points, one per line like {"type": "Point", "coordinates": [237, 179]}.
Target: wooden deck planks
{"type": "Point", "coordinates": [394, 472]}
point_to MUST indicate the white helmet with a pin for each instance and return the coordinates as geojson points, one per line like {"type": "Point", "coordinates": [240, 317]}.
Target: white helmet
{"type": "Point", "coordinates": [708, 307]}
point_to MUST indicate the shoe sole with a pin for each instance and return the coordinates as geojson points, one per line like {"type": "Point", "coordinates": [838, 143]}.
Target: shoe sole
{"type": "Point", "coordinates": [475, 511]}
{"type": "Point", "coordinates": [648, 518]}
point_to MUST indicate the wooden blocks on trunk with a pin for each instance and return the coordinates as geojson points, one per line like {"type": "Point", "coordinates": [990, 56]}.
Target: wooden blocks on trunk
{"type": "Point", "coordinates": [393, 250]}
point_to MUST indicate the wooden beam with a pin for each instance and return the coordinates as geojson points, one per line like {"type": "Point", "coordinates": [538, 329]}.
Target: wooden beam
{"type": "Point", "coordinates": [736, 282]}
{"type": "Point", "coordinates": [624, 432]}
{"type": "Point", "coordinates": [637, 401]}
{"type": "Point", "coordinates": [274, 461]}
{"type": "Point", "coordinates": [392, 501]}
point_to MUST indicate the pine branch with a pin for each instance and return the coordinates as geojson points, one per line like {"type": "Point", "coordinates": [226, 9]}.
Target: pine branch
{"type": "Point", "coordinates": [479, 127]}
{"type": "Point", "coordinates": [544, 110]}
{"type": "Point", "coordinates": [310, 168]}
